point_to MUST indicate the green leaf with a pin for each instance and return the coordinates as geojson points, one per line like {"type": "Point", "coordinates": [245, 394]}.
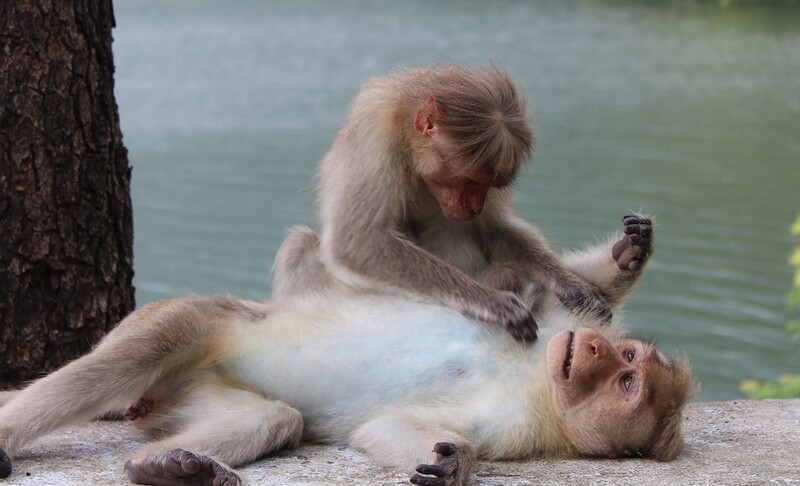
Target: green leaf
{"type": "Point", "coordinates": [793, 328]}
{"type": "Point", "coordinates": [793, 298]}
{"type": "Point", "coordinates": [794, 258]}
{"type": "Point", "coordinates": [795, 229]}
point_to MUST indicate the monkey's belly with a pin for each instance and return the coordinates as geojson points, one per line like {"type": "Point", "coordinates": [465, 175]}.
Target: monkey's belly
{"type": "Point", "coordinates": [339, 365]}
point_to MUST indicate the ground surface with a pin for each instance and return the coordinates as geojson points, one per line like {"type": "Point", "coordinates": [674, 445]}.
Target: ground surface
{"type": "Point", "coordinates": [734, 443]}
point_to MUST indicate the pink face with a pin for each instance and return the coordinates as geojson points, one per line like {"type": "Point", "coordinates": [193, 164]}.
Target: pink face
{"type": "Point", "coordinates": [600, 389]}
{"type": "Point", "coordinates": [460, 198]}
{"type": "Point", "coordinates": [461, 193]}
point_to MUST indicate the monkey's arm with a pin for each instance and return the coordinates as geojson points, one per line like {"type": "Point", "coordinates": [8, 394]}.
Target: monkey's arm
{"type": "Point", "coordinates": [615, 267]}
{"type": "Point", "coordinates": [439, 457]}
{"type": "Point", "coordinates": [367, 257]}
{"type": "Point", "coordinates": [517, 251]}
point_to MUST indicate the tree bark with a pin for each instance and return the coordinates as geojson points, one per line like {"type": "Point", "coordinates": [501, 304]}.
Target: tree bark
{"type": "Point", "coordinates": [66, 228]}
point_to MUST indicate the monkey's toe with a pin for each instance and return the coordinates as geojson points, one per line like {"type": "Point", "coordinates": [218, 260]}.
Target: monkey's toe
{"type": "Point", "coordinates": [180, 467]}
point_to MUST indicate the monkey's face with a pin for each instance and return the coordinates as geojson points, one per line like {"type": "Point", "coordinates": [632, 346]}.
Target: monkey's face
{"type": "Point", "coordinates": [602, 391]}
{"type": "Point", "coordinates": [458, 187]}
{"type": "Point", "coordinates": [460, 198]}
{"type": "Point", "coordinates": [461, 194]}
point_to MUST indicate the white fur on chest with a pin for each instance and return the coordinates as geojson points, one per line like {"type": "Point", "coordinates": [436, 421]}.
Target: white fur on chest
{"type": "Point", "coordinates": [455, 243]}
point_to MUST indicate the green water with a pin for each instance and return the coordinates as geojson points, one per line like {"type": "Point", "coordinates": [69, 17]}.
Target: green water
{"type": "Point", "coordinates": [687, 112]}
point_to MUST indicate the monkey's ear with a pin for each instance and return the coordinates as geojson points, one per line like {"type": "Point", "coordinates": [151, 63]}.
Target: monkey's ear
{"type": "Point", "coordinates": [423, 123]}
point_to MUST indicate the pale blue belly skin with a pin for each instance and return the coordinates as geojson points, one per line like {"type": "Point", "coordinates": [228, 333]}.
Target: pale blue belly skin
{"type": "Point", "coordinates": [341, 365]}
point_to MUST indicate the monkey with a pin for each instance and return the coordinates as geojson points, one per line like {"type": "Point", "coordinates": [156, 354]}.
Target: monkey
{"type": "Point", "coordinates": [413, 196]}
{"type": "Point", "coordinates": [219, 382]}
{"type": "Point", "coordinates": [7, 395]}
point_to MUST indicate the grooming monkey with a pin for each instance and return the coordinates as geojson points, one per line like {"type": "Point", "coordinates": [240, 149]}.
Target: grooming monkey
{"type": "Point", "coordinates": [220, 382]}
{"type": "Point", "coordinates": [414, 197]}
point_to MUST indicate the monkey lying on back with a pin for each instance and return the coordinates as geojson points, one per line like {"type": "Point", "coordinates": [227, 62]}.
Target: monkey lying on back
{"type": "Point", "coordinates": [220, 382]}
{"type": "Point", "coordinates": [414, 197]}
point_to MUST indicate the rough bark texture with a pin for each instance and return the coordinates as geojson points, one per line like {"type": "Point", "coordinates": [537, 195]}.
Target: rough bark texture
{"type": "Point", "coordinates": [66, 230]}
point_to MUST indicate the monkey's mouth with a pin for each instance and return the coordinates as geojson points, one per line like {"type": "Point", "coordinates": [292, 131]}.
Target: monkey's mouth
{"type": "Point", "coordinates": [568, 359]}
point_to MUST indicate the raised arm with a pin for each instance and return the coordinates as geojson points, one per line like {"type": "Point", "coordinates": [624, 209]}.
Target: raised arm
{"type": "Point", "coordinates": [615, 266]}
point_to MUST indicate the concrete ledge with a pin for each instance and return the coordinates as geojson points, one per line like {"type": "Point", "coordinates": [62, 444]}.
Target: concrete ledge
{"type": "Point", "coordinates": [740, 442]}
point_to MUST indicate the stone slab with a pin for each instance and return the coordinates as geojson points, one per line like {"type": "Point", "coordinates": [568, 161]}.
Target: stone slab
{"type": "Point", "coordinates": [727, 443]}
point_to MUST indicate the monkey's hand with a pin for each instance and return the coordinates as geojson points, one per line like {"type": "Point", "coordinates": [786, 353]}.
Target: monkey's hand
{"type": "Point", "coordinates": [447, 471]}
{"type": "Point", "coordinates": [5, 465]}
{"type": "Point", "coordinates": [634, 249]}
{"type": "Point", "coordinates": [582, 297]}
{"type": "Point", "coordinates": [508, 311]}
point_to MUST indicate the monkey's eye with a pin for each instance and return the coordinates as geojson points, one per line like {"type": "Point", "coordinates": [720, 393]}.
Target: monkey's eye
{"type": "Point", "coordinates": [472, 183]}
{"type": "Point", "coordinates": [627, 380]}
{"type": "Point", "coordinates": [629, 355]}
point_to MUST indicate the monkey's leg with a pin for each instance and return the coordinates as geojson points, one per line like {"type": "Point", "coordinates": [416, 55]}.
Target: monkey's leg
{"type": "Point", "coordinates": [218, 427]}
{"type": "Point", "coordinates": [99, 382]}
{"type": "Point", "coordinates": [158, 340]}
{"type": "Point", "coordinates": [615, 267]}
{"type": "Point", "coordinates": [440, 457]}
{"type": "Point", "coordinates": [298, 269]}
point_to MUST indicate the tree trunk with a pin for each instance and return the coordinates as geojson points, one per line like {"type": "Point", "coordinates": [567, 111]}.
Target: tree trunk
{"type": "Point", "coordinates": [66, 228]}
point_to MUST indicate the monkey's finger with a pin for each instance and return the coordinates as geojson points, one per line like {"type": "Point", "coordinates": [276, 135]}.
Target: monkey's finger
{"type": "Point", "coordinates": [525, 330]}
{"type": "Point", "coordinates": [619, 247]}
{"type": "Point", "coordinates": [635, 218]}
{"type": "Point", "coordinates": [432, 470]}
{"type": "Point", "coordinates": [427, 481]}
{"type": "Point", "coordinates": [529, 335]}
{"type": "Point", "coordinates": [444, 448]}
{"type": "Point", "coordinates": [228, 479]}
{"type": "Point", "coordinates": [631, 258]}
{"type": "Point", "coordinates": [224, 476]}
{"type": "Point", "coordinates": [643, 241]}
{"type": "Point", "coordinates": [638, 229]}
{"type": "Point", "coordinates": [5, 464]}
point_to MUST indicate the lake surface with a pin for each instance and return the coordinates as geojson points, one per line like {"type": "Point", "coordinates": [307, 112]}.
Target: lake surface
{"type": "Point", "coordinates": [690, 113]}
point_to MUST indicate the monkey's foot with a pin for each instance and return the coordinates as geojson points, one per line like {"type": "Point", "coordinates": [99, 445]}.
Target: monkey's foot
{"type": "Point", "coordinates": [179, 468]}
{"type": "Point", "coordinates": [633, 250]}
{"type": "Point", "coordinates": [447, 470]}
{"type": "Point", "coordinates": [5, 465]}
{"type": "Point", "coordinates": [138, 410]}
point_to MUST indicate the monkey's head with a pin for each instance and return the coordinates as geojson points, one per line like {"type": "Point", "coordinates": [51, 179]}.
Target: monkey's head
{"type": "Point", "coordinates": [471, 134]}
{"type": "Point", "coordinates": [617, 397]}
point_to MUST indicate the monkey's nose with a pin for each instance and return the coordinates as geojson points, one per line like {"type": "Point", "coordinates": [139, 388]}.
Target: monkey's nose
{"type": "Point", "coordinates": [599, 348]}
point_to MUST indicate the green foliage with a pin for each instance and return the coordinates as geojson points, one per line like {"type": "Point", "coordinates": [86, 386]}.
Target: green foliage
{"type": "Point", "coordinates": [730, 3]}
{"type": "Point", "coordinates": [788, 386]}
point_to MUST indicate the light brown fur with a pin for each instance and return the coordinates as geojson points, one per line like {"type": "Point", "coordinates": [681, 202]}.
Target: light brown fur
{"type": "Point", "coordinates": [414, 197]}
